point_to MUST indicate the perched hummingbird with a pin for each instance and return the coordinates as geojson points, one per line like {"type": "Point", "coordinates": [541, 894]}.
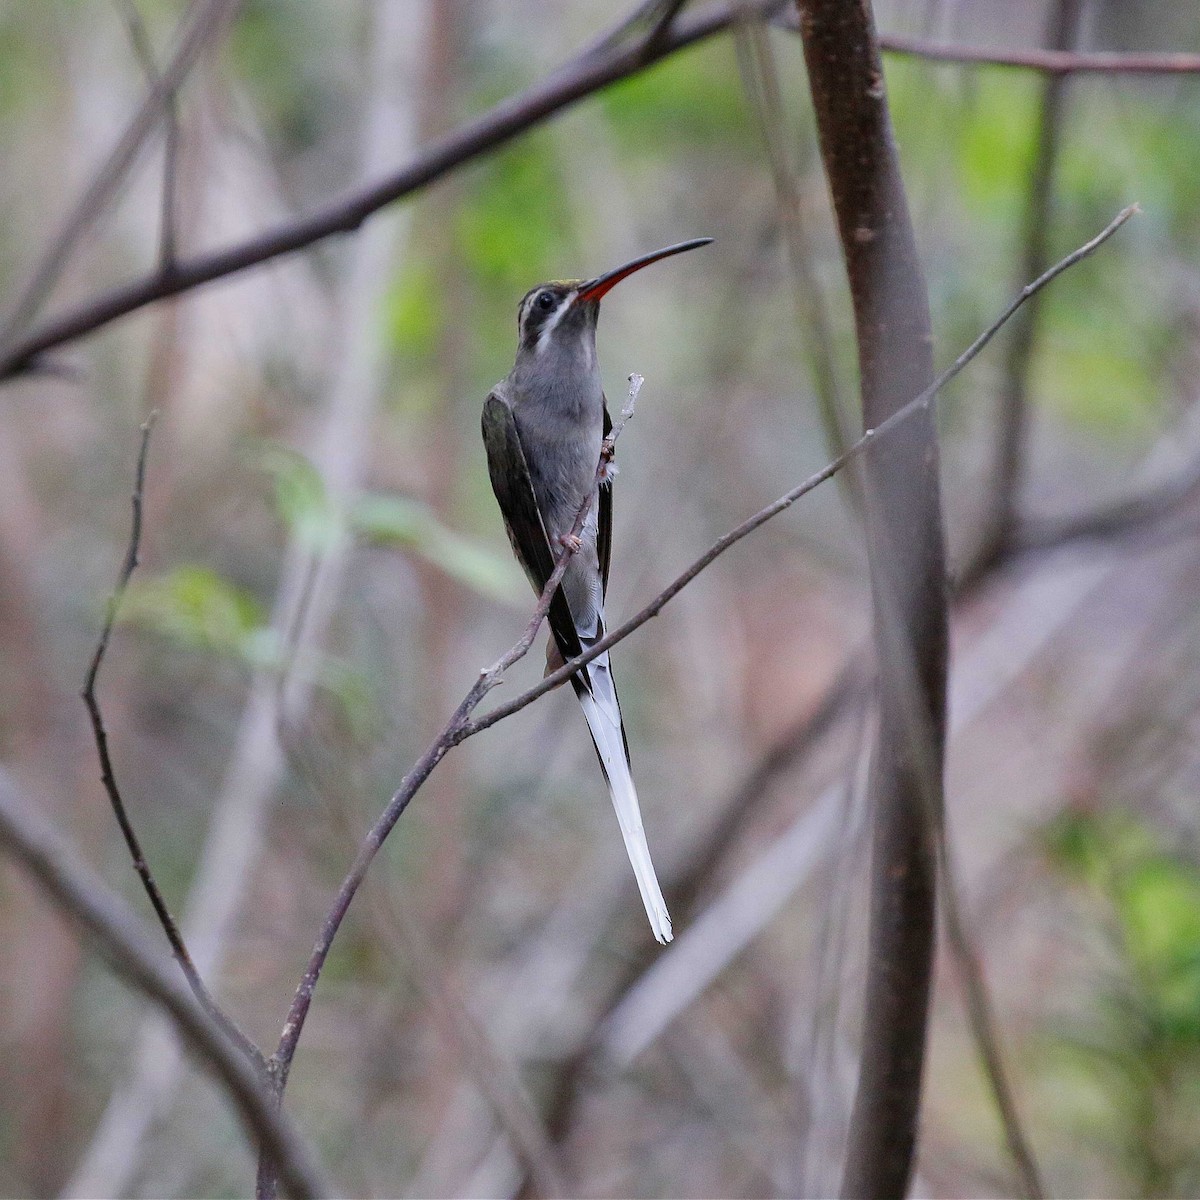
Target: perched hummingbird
{"type": "Point", "coordinates": [543, 428]}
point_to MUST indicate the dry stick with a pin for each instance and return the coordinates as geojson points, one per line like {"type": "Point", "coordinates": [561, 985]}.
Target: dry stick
{"type": "Point", "coordinates": [460, 727]}
{"type": "Point", "coordinates": [140, 41]}
{"type": "Point", "coordinates": [1053, 62]}
{"type": "Point", "coordinates": [109, 779]}
{"type": "Point", "coordinates": [121, 939]}
{"type": "Point", "coordinates": [208, 17]}
{"type": "Point", "coordinates": [760, 80]}
{"type": "Point", "coordinates": [581, 77]}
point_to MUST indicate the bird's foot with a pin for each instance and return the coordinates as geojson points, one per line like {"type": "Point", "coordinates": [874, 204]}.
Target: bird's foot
{"type": "Point", "coordinates": [569, 542]}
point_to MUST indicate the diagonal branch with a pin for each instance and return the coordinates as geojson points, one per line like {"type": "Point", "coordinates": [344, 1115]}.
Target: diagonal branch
{"type": "Point", "coordinates": [141, 45]}
{"type": "Point", "coordinates": [117, 934]}
{"type": "Point", "coordinates": [581, 77]}
{"type": "Point", "coordinates": [207, 19]}
{"type": "Point", "coordinates": [1008, 463]}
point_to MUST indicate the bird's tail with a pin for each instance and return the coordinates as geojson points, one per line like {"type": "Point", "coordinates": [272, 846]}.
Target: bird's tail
{"type": "Point", "coordinates": [603, 714]}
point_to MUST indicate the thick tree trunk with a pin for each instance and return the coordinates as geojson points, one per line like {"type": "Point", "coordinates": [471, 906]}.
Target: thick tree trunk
{"type": "Point", "coordinates": [907, 556]}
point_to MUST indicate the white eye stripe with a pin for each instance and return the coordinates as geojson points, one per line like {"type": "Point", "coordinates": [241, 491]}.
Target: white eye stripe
{"type": "Point", "coordinates": [552, 324]}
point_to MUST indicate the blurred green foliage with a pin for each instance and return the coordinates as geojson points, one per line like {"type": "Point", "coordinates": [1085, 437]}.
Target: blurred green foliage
{"type": "Point", "coordinates": [1102, 365]}
{"type": "Point", "coordinates": [198, 609]}
{"type": "Point", "coordinates": [1137, 1046]}
{"type": "Point", "coordinates": [411, 525]}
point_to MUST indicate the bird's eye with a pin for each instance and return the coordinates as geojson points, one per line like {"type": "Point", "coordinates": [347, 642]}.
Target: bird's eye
{"type": "Point", "coordinates": [545, 301]}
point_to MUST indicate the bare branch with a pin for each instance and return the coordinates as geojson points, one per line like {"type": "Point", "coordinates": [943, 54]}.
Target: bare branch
{"type": "Point", "coordinates": [1115, 520]}
{"type": "Point", "coordinates": [109, 779]}
{"type": "Point", "coordinates": [983, 1027]}
{"type": "Point", "coordinates": [760, 80]}
{"type": "Point", "coordinates": [906, 551]}
{"type": "Point", "coordinates": [140, 41]}
{"type": "Point", "coordinates": [120, 938]}
{"type": "Point", "coordinates": [1053, 62]}
{"type": "Point", "coordinates": [206, 20]}
{"type": "Point", "coordinates": [582, 77]}
{"type": "Point", "coordinates": [593, 70]}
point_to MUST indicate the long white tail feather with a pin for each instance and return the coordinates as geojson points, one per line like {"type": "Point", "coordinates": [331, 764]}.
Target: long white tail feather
{"type": "Point", "coordinates": [603, 716]}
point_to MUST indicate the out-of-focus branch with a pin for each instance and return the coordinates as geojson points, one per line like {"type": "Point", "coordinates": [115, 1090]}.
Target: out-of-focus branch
{"type": "Point", "coordinates": [1115, 520]}
{"type": "Point", "coordinates": [1052, 62]}
{"type": "Point", "coordinates": [906, 550]}
{"type": "Point", "coordinates": [579, 78]}
{"type": "Point", "coordinates": [119, 937]}
{"type": "Point", "coordinates": [497, 1079]}
{"type": "Point", "coordinates": [760, 79]}
{"type": "Point", "coordinates": [983, 1027]}
{"type": "Point", "coordinates": [205, 21]}
{"type": "Point", "coordinates": [1013, 416]}
{"type": "Point", "coordinates": [140, 41]}
{"type": "Point", "coordinates": [109, 779]}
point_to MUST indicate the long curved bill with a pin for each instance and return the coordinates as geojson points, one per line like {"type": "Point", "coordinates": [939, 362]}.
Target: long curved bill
{"type": "Point", "coordinates": [594, 289]}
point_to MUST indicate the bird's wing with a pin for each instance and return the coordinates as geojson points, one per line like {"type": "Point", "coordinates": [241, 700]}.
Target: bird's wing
{"type": "Point", "coordinates": [513, 486]}
{"type": "Point", "coordinates": [604, 519]}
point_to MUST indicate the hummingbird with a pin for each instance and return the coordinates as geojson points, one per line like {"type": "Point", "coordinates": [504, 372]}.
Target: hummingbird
{"type": "Point", "coordinates": [544, 427]}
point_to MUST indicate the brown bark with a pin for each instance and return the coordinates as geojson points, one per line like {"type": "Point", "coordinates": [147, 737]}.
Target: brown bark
{"type": "Point", "coordinates": [907, 557]}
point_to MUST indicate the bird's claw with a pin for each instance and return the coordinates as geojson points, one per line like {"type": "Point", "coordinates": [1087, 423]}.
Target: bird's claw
{"type": "Point", "coordinates": [570, 543]}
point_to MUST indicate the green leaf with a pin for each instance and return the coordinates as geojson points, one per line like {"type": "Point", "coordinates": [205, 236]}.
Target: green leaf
{"type": "Point", "coordinates": [394, 520]}
{"type": "Point", "coordinates": [197, 608]}
{"type": "Point", "coordinates": [300, 496]}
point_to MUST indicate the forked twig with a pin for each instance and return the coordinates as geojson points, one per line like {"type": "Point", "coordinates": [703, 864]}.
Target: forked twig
{"type": "Point", "coordinates": [109, 779]}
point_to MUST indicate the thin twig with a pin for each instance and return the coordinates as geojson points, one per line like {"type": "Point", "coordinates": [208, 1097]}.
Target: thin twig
{"type": "Point", "coordinates": [1054, 62]}
{"type": "Point", "coordinates": [582, 77]}
{"type": "Point", "coordinates": [125, 943]}
{"type": "Point", "coordinates": [140, 40]}
{"type": "Point", "coordinates": [109, 779]}
{"type": "Point", "coordinates": [760, 81]}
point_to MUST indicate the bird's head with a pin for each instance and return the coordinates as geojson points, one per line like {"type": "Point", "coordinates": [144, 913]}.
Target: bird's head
{"type": "Point", "coordinates": [564, 313]}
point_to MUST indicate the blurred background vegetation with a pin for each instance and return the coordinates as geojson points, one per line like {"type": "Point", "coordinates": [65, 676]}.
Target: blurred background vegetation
{"type": "Point", "coordinates": [324, 571]}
